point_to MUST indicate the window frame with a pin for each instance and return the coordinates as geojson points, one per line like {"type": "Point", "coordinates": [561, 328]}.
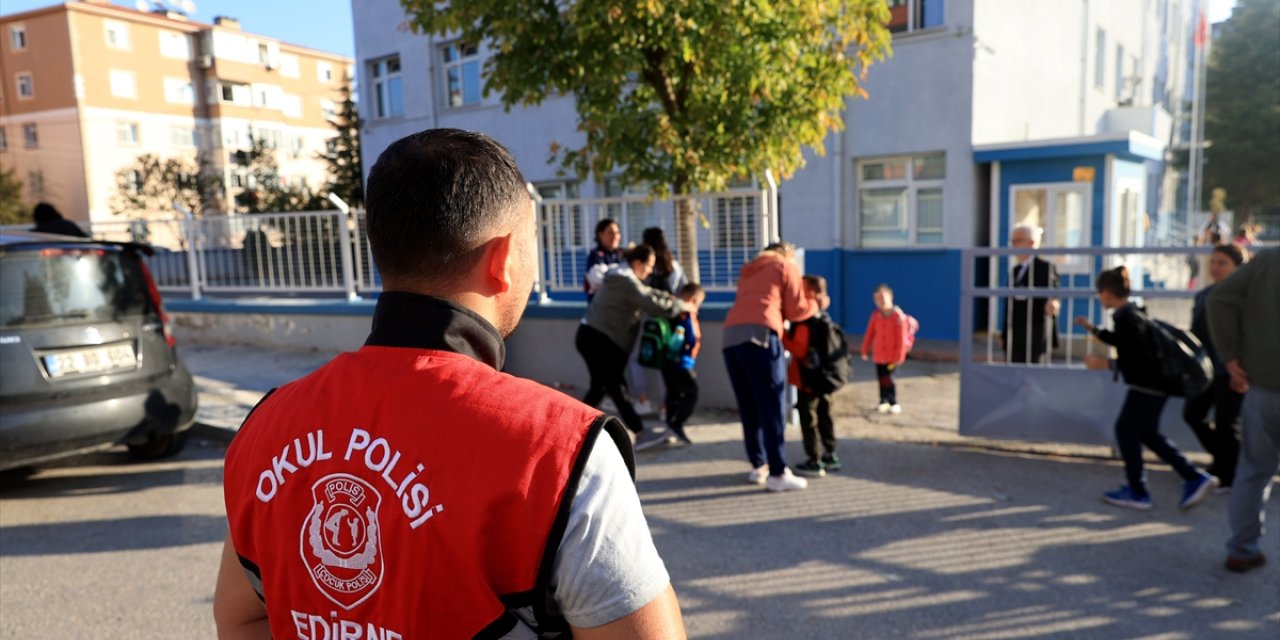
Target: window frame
{"type": "Point", "coordinates": [30, 135]}
{"type": "Point", "coordinates": [380, 81]}
{"type": "Point", "coordinates": [135, 133]}
{"type": "Point", "coordinates": [461, 61]}
{"type": "Point", "coordinates": [915, 16]}
{"type": "Point", "coordinates": [1100, 59]}
{"type": "Point", "coordinates": [18, 32]}
{"type": "Point", "coordinates": [122, 28]}
{"type": "Point", "coordinates": [166, 38]}
{"type": "Point", "coordinates": [4, 139]}
{"type": "Point", "coordinates": [910, 188]}
{"type": "Point", "coordinates": [113, 74]}
{"type": "Point", "coordinates": [30, 84]}
{"type": "Point", "coordinates": [324, 71]}
{"type": "Point", "coordinates": [35, 182]}
{"type": "Point", "coordinates": [171, 83]}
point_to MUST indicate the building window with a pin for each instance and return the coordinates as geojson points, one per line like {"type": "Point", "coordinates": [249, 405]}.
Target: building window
{"type": "Point", "coordinates": [388, 100]}
{"type": "Point", "coordinates": [4, 139]}
{"type": "Point", "coordinates": [462, 73]}
{"type": "Point", "coordinates": [900, 201]}
{"type": "Point", "coordinates": [175, 45]}
{"type": "Point", "coordinates": [133, 182]}
{"type": "Point", "coordinates": [1100, 60]}
{"type": "Point", "coordinates": [235, 93]}
{"type": "Point", "coordinates": [123, 84]}
{"type": "Point", "coordinates": [181, 136]}
{"type": "Point", "coordinates": [179, 91]}
{"type": "Point", "coordinates": [26, 86]}
{"type": "Point", "coordinates": [18, 37]}
{"type": "Point", "coordinates": [35, 183]}
{"type": "Point", "coordinates": [291, 105]}
{"type": "Point", "coordinates": [324, 71]}
{"type": "Point", "coordinates": [288, 65]}
{"type": "Point", "coordinates": [30, 136]}
{"type": "Point", "coordinates": [117, 34]}
{"type": "Point", "coordinates": [913, 15]}
{"type": "Point", "coordinates": [127, 133]}
{"type": "Point", "coordinates": [328, 109]}
{"type": "Point", "coordinates": [1119, 72]}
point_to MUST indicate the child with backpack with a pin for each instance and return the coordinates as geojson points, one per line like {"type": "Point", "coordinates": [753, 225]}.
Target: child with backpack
{"type": "Point", "coordinates": [677, 368]}
{"type": "Point", "coordinates": [1139, 421]}
{"type": "Point", "coordinates": [890, 335]}
{"type": "Point", "coordinates": [819, 366]}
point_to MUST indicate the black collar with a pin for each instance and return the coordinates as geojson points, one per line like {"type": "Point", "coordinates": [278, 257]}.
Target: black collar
{"type": "Point", "coordinates": [416, 321]}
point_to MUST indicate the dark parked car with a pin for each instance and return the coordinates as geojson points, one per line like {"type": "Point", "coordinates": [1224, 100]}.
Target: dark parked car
{"type": "Point", "coordinates": [87, 360]}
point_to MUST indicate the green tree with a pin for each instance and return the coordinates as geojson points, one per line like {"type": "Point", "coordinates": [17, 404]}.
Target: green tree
{"type": "Point", "coordinates": [346, 178]}
{"type": "Point", "coordinates": [681, 96]}
{"type": "Point", "coordinates": [151, 185]}
{"type": "Point", "coordinates": [1242, 109]}
{"type": "Point", "coordinates": [13, 209]}
{"type": "Point", "coordinates": [262, 191]}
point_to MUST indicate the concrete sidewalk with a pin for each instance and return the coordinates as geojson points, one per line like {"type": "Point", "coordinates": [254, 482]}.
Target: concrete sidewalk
{"type": "Point", "coordinates": [924, 534]}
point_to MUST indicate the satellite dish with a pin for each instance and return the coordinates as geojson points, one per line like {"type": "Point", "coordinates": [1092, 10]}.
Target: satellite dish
{"type": "Point", "coordinates": [188, 7]}
{"type": "Point", "coordinates": [142, 5]}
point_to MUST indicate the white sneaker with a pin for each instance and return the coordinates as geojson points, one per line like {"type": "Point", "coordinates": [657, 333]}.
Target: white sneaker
{"type": "Point", "coordinates": [786, 482]}
{"type": "Point", "coordinates": [759, 474]}
{"type": "Point", "coordinates": [650, 438]}
{"type": "Point", "coordinates": [897, 408]}
{"type": "Point", "coordinates": [883, 408]}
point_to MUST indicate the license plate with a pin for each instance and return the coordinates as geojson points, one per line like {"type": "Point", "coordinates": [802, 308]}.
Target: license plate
{"type": "Point", "coordinates": [107, 357]}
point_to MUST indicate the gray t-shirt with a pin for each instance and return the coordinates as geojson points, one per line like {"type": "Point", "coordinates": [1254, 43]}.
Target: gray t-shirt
{"type": "Point", "coordinates": [606, 567]}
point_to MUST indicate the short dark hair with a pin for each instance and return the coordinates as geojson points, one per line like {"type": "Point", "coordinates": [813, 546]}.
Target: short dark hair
{"type": "Point", "coordinates": [1115, 280]}
{"type": "Point", "coordinates": [1232, 252]}
{"type": "Point", "coordinates": [604, 224]}
{"type": "Point", "coordinates": [638, 253]}
{"type": "Point", "coordinates": [435, 197]}
{"type": "Point", "coordinates": [690, 289]}
{"type": "Point", "coordinates": [817, 283]}
{"type": "Point", "coordinates": [45, 212]}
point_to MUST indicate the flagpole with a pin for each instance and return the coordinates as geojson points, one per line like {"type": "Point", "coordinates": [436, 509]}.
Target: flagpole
{"type": "Point", "coordinates": [1196, 146]}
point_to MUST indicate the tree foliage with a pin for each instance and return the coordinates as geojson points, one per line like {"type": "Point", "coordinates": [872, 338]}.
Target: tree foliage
{"type": "Point", "coordinates": [13, 210]}
{"type": "Point", "coordinates": [1242, 108]}
{"type": "Point", "coordinates": [681, 96]}
{"type": "Point", "coordinates": [151, 185]}
{"type": "Point", "coordinates": [262, 191]}
{"type": "Point", "coordinates": [346, 178]}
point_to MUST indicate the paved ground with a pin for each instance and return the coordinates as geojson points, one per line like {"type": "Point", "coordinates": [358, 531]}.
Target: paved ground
{"type": "Point", "coordinates": [926, 534]}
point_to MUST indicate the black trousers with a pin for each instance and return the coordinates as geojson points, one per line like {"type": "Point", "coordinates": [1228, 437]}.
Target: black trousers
{"type": "Point", "coordinates": [815, 423]}
{"type": "Point", "coordinates": [888, 390]}
{"type": "Point", "coordinates": [682, 395]}
{"type": "Point", "coordinates": [1218, 437]}
{"type": "Point", "coordinates": [607, 365]}
{"type": "Point", "coordinates": [1138, 425]}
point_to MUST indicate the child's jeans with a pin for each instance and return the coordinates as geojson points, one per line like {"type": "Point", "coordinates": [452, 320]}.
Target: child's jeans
{"type": "Point", "coordinates": [888, 391]}
{"type": "Point", "coordinates": [815, 423]}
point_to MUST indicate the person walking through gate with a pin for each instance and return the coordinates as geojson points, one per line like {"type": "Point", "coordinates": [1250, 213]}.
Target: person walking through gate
{"type": "Point", "coordinates": [770, 291]}
{"type": "Point", "coordinates": [1139, 421]}
{"type": "Point", "coordinates": [1218, 437]}
{"type": "Point", "coordinates": [411, 489]}
{"type": "Point", "coordinates": [1243, 312]}
{"type": "Point", "coordinates": [1028, 321]}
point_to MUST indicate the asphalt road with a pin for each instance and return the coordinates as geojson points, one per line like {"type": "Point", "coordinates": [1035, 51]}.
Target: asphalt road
{"type": "Point", "coordinates": [911, 541]}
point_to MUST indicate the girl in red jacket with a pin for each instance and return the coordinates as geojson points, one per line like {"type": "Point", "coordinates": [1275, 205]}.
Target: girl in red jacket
{"type": "Point", "coordinates": [887, 340]}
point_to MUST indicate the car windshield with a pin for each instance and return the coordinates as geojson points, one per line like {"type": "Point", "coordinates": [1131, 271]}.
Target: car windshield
{"type": "Point", "coordinates": [58, 286]}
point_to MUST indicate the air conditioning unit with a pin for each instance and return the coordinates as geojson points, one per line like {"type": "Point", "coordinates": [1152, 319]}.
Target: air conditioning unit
{"type": "Point", "coordinates": [205, 62]}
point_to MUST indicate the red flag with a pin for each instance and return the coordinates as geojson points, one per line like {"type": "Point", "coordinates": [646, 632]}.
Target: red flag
{"type": "Point", "coordinates": [1202, 31]}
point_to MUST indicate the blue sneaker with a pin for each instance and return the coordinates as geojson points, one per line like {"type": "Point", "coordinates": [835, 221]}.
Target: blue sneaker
{"type": "Point", "coordinates": [1195, 491]}
{"type": "Point", "coordinates": [1125, 497]}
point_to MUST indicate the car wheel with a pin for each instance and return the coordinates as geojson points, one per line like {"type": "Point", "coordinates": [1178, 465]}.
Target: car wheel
{"type": "Point", "coordinates": [159, 445]}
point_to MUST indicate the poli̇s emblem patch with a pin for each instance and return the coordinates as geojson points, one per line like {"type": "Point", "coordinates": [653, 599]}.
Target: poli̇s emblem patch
{"type": "Point", "coordinates": [340, 539]}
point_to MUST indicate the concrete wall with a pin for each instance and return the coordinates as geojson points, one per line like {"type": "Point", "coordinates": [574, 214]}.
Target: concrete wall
{"type": "Point", "coordinates": [542, 348]}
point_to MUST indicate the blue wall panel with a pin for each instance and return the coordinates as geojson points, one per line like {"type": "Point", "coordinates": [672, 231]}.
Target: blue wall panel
{"type": "Point", "coordinates": [926, 284]}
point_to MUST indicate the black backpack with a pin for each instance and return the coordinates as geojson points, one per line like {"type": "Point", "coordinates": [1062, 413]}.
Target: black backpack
{"type": "Point", "coordinates": [1184, 367]}
{"type": "Point", "coordinates": [828, 365]}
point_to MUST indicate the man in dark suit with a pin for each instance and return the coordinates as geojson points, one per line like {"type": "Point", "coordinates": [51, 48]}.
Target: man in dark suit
{"type": "Point", "coordinates": [1030, 325]}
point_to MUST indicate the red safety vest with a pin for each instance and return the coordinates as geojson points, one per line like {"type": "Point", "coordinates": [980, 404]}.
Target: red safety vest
{"type": "Point", "coordinates": [404, 493]}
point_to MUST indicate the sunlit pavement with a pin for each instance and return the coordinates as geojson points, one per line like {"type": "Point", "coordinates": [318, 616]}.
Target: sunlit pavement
{"type": "Point", "coordinates": [924, 534]}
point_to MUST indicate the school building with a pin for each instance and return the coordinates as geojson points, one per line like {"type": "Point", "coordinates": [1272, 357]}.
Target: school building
{"type": "Point", "coordinates": [1061, 114]}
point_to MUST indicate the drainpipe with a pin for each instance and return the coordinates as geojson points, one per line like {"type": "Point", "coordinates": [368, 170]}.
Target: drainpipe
{"type": "Point", "coordinates": [837, 190]}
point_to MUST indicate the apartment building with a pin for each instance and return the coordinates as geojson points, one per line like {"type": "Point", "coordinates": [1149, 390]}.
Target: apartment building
{"type": "Point", "coordinates": [989, 113]}
{"type": "Point", "coordinates": [89, 86]}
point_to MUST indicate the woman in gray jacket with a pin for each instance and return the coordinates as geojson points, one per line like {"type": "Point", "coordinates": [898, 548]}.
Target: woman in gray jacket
{"type": "Point", "coordinates": [610, 328]}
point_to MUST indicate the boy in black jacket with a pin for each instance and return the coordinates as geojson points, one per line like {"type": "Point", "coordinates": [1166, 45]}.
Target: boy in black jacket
{"type": "Point", "coordinates": [1139, 420]}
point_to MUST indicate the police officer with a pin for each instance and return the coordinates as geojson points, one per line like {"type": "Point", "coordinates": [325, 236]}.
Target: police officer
{"type": "Point", "coordinates": [411, 489]}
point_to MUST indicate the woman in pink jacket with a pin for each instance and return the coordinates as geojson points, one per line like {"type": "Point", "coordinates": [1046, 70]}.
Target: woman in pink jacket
{"type": "Point", "coordinates": [770, 291]}
{"type": "Point", "coordinates": [888, 341]}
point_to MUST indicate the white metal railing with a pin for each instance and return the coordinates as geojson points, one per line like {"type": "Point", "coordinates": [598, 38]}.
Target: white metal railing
{"type": "Point", "coordinates": [1057, 398]}
{"type": "Point", "coordinates": [327, 253]}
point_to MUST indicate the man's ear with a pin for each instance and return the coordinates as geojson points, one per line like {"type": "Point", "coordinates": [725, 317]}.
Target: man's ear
{"type": "Point", "coordinates": [498, 265]}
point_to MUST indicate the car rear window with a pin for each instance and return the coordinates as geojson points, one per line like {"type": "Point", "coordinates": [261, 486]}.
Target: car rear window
{"type": "Point", "coordinates": [60, 286]}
